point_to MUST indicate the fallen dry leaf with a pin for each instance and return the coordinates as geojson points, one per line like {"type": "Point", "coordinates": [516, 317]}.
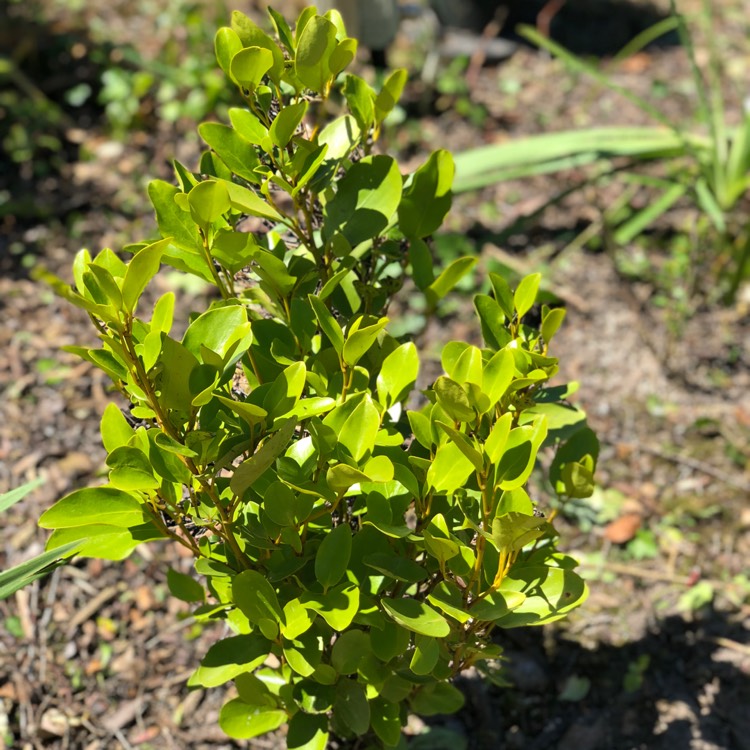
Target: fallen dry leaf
{"type": "Point", "coordinates": [622, 529]}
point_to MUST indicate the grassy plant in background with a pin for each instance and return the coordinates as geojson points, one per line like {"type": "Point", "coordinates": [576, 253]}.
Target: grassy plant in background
{"type": "Point", "coordinates": [362, 553]}
{"type": "Point", "coordinates": [27, 572]}
{"type": "Point", "coordinates": [711, 167]}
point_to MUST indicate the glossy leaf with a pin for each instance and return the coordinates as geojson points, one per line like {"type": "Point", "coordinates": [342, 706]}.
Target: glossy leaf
{"type": "Point", "coordinates": [417, 617]}
{"type": "Point", "coordinates": [249, 66]}
{"type": "Point", "coordinates": [332, 557]}
{"type": "Point", "coordinates": [247, 472]}
{"type": "Point", "coordinates": [140, 271]}
{"type": "Point", "coordinates": [427, 199]}
{"type": "Point", "coordinates": [94, 505]}
{"type": "Point", "coordinates": [256, 597]}
{"type": "Point", "coordinates": [398, 374]}
{"type": "Point", "coordinates": [366, 200]}
{"type": "Point", "coordinates": [243, 722]}
{"type": "Point", "coordinates": [525, 294]}
{"type": "Point", "coordinates": [315, 45]}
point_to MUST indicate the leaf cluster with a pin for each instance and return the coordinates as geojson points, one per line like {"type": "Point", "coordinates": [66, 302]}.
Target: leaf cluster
{"type": "Point", "coordinates": [362, 551]}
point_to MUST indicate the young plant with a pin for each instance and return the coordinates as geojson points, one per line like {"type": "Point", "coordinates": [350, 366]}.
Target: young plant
{"type": "Point", "coordinates": [362, 553]}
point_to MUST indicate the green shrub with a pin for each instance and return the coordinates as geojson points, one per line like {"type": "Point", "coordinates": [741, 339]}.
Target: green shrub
{"type": "Point", "coordinates": [362, 553]}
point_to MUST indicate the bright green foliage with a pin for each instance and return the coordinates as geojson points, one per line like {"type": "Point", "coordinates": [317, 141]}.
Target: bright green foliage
{"type": "Point", "coordinates": [361, 553]}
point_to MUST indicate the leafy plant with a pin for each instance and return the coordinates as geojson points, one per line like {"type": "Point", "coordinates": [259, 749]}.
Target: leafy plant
{"type": "Point", "coordinates": [710, 168]}
{"type": "Point", "coordinates": [362, 552]}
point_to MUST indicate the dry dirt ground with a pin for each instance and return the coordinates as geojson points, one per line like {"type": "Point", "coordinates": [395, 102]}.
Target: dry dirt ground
{"type": "Point", "coordinates": [97, 655]}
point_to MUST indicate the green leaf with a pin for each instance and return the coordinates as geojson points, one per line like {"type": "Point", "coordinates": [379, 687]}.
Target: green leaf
{"type": "Point", "coordinates": [8, 499]}
{"type": "Point", "coordinates": [229, 658]}
{"type": "Point", "coordinates": [349, 650]}
{"type": "Point", "coordinates": [304, 653]}
{"type": "Point", "coordinates": [496, 605]}
{"type": "Point", "coordinates": [416, 616]}
{"type": "Point", "coordinates": [285, 391]}
{"type": "Point", "coordinates": [525, 294]}
{"type": "Point", "coordinates": [498, 374]}
{"type": "Point", "coordinates": [498, 437]}
{"type": "Point", "coordinates": [103, 541]}
{"type": "Point", "coordinates": [360, 430]}
{"type": "Point", "coordinates": [21, 575]}
{"type": "Point", "coordinates": [438, 541]}
{"type": "Point", "coordinates": [237, 153]}
{"type": "Point", "coordinates": [425, 656]}
{"type": "Point", "coordinates": [513, 531]}
{"type": "Point", "coordinates": [453, 400]}
{"type": "Point", "coordinates": [217, 329]}
{"type": "Point", "coordinates": [94, 505]}
{"type": "Point", "coordinates": [360, 99]}
{"type": "Point", "coordinates": [342, 476]}
{"type": "Point", "coordinates": [351, 707]}
{"type": "Point", "coordinates": [327, 323]}
{"type": "Point", "coordinates": [282, 29]}
{"type": "Point", "coordinates": [398, 374]}
{"type": "Point", "coordinates": [208, 202]}
{"type": "Point", "coordinates": [340, 136]}
{"type": "Point", "coordinates": [241, 721]}
{"type": "Point", "coordinates": [342, 56]}
{"type": "Point", "coordinates": [256, 597]}
{"type": "Point", "coordinates": [551, 152]}
{"type": "Point", "coordinates": [385, 717]}
{"type": "Point", "coordinates": [115, 429]}
{"type": "Point", "coordinates": [449, 277]}
{"type": "Point", "coordinates": [226, 45]}
{"type": "Point", "coordinates": [297, 620]}
{"type": "Point", "coordinates": [131, 470]}
{"type": "Point", "coordinates": [315, 45]}
{"type": "Point", "coordinates": [286, 123]}
{"type": "Point", "coordinates": [449, 469]}
{"type": "Point", "coordinates": [141, 269]}
{"type": "Point", "coordinates": [380, 468]}
{"type": "Point", "coordinates": [436, 698]}
{"type": "Point", "coordinates": [389, 641]}
{"type": "Point", "coordinates": [396, 567]}
{"type": "Point", "coordinates": [551, 322]}
{"type": "Point", "coordinates": [359, 340]}
{"type": "Point", "coordinates": [251, 413]}
{"type": "Point", "coordinates": [177, 364]}
{"type": "Point", "coordinates": [184, 587]}
{"type": "Point", "coordinates": [280, 504]}
{"type": "Point", "coordinates": [332, 557]}
{"type": "Point", "coordinates": [464, 444]}
{"type": "Point", "coordinates": [571, 472]}
{"type": "Point", "coordinates": [163, 315]}
{"type": "Point", "coordinates": [366, 200]}
{"type": "Point", "coordinates": [172, 220]}
{"type": "Point", "coordinates": [251, 35]}
{"type": "Point", "coordinates": [492, 319]}
{"type": "Point", "coordinates": [249, 66]}
{"type": "Point", "coordinates": [519, 454]}
{"type": "Point", "coordinates": [550, 593]}
{"type": "Point", "coordinates": [307, 731]}
{"type": "Point", "coordinates": [389, 95]}
{"type": "Point", "coordinates": [337, 607]}
{"type": "Point", "coordinates": [427, 200]}
{"type": "Point", "coordinates": [447, 597]}
{"type": "Point", "coordinates": [248, 471]}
